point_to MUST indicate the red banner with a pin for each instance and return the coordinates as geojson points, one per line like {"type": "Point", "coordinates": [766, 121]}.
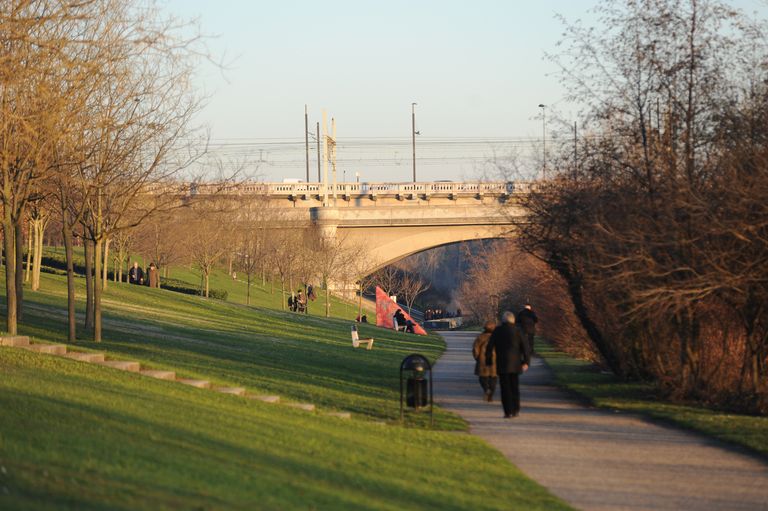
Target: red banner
{"type": "Point", "coordinates": [386, 308]}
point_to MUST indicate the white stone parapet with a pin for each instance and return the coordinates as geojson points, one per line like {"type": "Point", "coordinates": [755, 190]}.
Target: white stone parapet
{"type": "Point", "coordinates": [365, 189]}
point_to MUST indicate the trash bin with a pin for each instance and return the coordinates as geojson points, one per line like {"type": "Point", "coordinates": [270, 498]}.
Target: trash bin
{"type": "Point", "coordinates": [416, 391]}
{"type": "Point", "coordinates": [416, 385]}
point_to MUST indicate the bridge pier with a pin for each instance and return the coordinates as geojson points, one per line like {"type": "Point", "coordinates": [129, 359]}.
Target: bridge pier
{"type": "Point", "coordinates": [327, 219]}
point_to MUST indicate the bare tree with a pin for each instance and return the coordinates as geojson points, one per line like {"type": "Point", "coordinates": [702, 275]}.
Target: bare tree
{"type": "Point", "coordinates": [252, 246]}
{"type": "Point", "coordinates": [388, 279]}
{"type": "Point", "coordinates": [411, 286]}
{"type": "Point", "coordinates": [32, 105]}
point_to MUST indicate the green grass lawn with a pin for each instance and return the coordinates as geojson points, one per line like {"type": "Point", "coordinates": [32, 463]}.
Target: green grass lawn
{"type": "Point", "coordinates": [607, 391]}
{"type": "Point", "coordinates": [78, 436]}
{"type": "Point", "coordinates": [265, 294]}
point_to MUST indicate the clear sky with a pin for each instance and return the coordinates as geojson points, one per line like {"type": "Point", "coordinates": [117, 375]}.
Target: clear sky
{"type": "Point", "coordinates": [475, 69]}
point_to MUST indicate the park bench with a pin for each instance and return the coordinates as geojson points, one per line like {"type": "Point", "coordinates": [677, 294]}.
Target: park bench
{"type": "Point", "coordinates": [357, 342]}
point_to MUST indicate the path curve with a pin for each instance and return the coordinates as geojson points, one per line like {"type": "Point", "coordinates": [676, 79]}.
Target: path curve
{"type": "Point", "coordinates": [598, 459]}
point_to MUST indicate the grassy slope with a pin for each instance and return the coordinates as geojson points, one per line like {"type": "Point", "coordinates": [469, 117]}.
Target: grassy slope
{"type": "Point", "coordinates": [605, 390]}
{"type": "Point", "coordinates": [267, 296]}
{"type": "Point", "coordinates": [86, 437]}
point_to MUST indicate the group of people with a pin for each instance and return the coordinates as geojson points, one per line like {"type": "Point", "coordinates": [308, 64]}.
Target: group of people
{"type": "Point", "coordinates": [504, 352]}
{"type": "Point", "coordinates": [137, 276]}
{"type": "Point", "coordinates": [437, 313]}
{"type": "Point", "coordinates": [297, 302]}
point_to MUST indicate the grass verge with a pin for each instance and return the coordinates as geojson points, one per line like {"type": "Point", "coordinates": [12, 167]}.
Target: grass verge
{"type": "Point", "coordinates": [608, 391]}
{"type": "Point", "coordinates": [78, 436]}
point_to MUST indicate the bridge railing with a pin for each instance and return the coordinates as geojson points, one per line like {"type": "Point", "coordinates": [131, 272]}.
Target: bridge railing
{"type": "Point", "coordinates": [363, 189]}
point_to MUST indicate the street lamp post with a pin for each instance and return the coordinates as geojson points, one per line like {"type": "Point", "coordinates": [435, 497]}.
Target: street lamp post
{"type": "Point", "coordinates": [413, 137]}
{"type": "Point", "coordinates": [544, 139]}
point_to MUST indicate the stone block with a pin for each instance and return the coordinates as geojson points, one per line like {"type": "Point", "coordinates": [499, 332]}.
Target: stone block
{"type": "Point", "coordinates": [200, 384]}
{"type": "Point", "coordinates": [303, 406]}
{"type": "Point", "coordinates": [49, 349]}
{"type": "Point", "coordinates": [235, 391]}
{"type": "Point", "coordinates": [14, 340]}
{"type": "Point", "coordinates": [339, 415]}
{"type": "Point", "coordinates": [123, 365]}
{"type": "Point", "coordinates": [266, 399]}
{"type": "Point", "coordinates": [85, 357]}
{"type": "Point", "coordinates": [160, 375]}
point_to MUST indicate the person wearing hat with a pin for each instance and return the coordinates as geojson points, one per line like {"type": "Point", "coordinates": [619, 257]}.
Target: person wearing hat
{"type": "Point", "coordinates": [526, 319]}
{"type": "Point", "coordinates": [513, 355]}
{"type": "Point", "coordinates": [485, 373]}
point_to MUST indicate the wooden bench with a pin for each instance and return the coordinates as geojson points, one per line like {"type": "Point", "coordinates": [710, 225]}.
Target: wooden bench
{"type": "Point", "coordinates": [357, 342]}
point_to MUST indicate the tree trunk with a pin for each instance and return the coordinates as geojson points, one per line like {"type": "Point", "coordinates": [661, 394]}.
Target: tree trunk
{"type": "Point", "coordinates": [106, 264]}
{"type": "Point", "coordinates": [592, 330]}
{"type": "Point", "coordinates": [97, 288]}
{"type": "Point", "coordinates": [37, 259]}
{"type": "Point", "coordinates": [327, 299]}
{"type": "Point", "coordinates": [10, 275]}
{"type": "Point", "coordinates": [32, 228]}
{"type": "Point", "coordinates": [206, 285]}
{"type": "Point", "coordinates": [88, 249]}
{"type": "Point", "coordinates": [19, 271]}
{"type": "Point", "coordinates": [248, 290]}
{"type": "Point", "coordinates": [67, 235]}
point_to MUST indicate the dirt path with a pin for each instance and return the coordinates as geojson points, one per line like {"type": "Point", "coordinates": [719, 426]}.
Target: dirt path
{"type": "Point", "coordinates": [598, 459]}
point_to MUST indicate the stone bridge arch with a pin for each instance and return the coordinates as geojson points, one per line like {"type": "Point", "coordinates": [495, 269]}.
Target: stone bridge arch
{"type": "Point", "coordinates": [386, 245]}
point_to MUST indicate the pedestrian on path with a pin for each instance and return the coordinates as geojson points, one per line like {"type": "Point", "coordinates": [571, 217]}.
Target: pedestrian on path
{"type": "Point", "coordinates": [513, 355]}
{"type": "Point", "coordinates": [485, 373]}
{"type": "Point", "coordinates": [526, 319]}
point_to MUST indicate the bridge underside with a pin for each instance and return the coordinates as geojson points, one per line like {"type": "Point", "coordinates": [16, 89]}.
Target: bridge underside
{"type": "Point", "coordinates": [388, 244]}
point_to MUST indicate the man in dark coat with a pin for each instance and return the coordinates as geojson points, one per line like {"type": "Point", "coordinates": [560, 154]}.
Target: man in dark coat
{"type": "Point", "coordinates": [136, 274]}
{"type": "Point", "coordinates": [526, 319]}
{"type": "Point", "coordinates": [513, 355]}
{"type": "Point", "coordinates": [398, 320]}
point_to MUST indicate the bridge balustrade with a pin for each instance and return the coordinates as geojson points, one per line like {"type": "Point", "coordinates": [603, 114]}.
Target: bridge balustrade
{"type": "Point", "coordinates": [350, 189]}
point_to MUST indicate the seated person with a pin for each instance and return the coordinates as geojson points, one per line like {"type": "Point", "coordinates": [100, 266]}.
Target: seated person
{"type": "Point", "coordinates": [398, 320]}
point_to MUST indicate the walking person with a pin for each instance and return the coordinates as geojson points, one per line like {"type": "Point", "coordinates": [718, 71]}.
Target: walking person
{"type": "Point", "coordinates": [513, 355]}
{"type": "Point", "coordinates": [136, 274]}
{"type": "Point", "coordinates": [526, 319]}
{"type": "Point", "coordinates": [153, 277]}
{"type": "Point", "coordinates": [485, 373]}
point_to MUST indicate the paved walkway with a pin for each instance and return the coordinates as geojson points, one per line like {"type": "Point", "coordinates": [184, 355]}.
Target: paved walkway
{"type": "Point", "coordinates": [598, 459]}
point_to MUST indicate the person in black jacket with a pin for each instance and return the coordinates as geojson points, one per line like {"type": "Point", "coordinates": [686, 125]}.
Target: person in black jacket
{"type": "Point", "coordinates": [513, 355]}
{"type": "Point", "coordinates": [136, 274]}
{"type": "Point", "coordinates": [398, 320]}
{"type": "Point", "coordinates": [526, 319]}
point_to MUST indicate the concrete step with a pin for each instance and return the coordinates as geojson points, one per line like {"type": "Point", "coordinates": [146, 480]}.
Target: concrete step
{"type": "Point", "coordinates": [200, 384]}
{"type": "Point", "coordinates": [160, 375]}
{"type": "Point", "coordinates": [123, 365]}
{"type": "Point", "coordinates": [17, 341]}
{"type": "Point", "coordinates": [85, 357]}
{"type": "Point", "coordinates": [266, 399]}
{"type": "Point", "coordinates": [303, 406]}
{"type": "Point", "coordinates": [339, 415]}
{"type": "Point", "coordinates": [49, 349]}
{"type": "Point", "coordinates": [236, 391]}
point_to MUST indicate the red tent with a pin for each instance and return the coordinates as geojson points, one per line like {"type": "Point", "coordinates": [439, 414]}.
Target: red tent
{"type": "Point", "coordinates": [386, 308]}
